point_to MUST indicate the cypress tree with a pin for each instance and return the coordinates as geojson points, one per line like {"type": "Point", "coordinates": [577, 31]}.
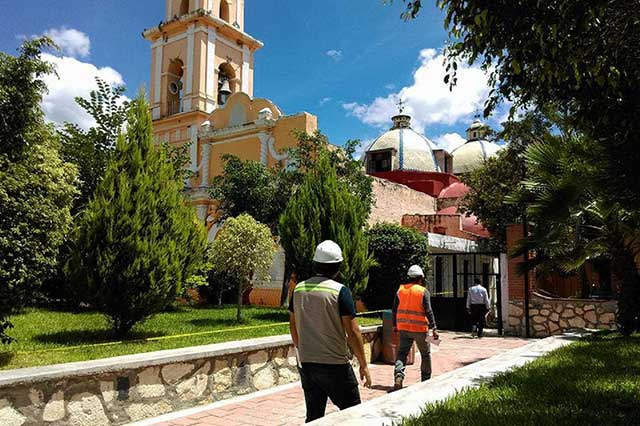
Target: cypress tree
{"type": "Point", "coordinates": [137, 240]}
{"type": "Point", "coordinates": [323, 208]}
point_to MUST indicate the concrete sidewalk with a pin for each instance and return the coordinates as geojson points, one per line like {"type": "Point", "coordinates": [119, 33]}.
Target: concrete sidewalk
{"type": "Point", "coordinates": [284, 405]}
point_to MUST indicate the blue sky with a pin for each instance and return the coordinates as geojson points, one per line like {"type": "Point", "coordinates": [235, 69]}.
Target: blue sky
{"type": "Point", "coordinates": [344, 61]}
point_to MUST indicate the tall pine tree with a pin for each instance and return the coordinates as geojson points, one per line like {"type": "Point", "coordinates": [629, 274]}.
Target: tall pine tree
{"type": "Point", "coordinates": [323, 208]}
{"type": "Point", "coordinates": [138, 240]}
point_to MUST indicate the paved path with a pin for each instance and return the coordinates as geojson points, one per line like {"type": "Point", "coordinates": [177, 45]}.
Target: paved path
{"type": "Point", "coordinates": [408, 402]}
{"type": "Point", "coordinates": [285, 405]}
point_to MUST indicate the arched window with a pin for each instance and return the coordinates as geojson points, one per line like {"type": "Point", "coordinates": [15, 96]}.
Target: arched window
{"type": "Point", "coordinates": [184, 7]}
{"type": "Point", "coordinates": [175, 87]}
{"type": "Point", "coordinates": [224, 10]}
{"type": "Point", "coordinates": [226, 82]}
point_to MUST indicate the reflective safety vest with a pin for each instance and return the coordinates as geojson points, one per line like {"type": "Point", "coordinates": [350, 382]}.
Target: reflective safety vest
{"type": "Point", "coordinates": [410, 315]}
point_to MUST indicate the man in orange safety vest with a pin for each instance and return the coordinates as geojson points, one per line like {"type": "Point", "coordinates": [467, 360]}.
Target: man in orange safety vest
{"type": "Point", "coordinates": [413, 317]}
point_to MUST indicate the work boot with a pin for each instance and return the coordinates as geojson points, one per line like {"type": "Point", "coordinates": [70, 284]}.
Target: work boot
{"type": "Point", "coordinates": [397, 384]}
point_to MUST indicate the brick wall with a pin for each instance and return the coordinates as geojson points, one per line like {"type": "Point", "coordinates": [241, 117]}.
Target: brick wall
{"type": "Point", "coordinates": [516, 279]}
{"type": "Point", "coordinates": [445, 224]}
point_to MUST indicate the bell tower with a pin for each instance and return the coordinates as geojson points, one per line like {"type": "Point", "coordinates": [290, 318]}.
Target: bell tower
{"type": "Point", "coordinates": [200, 55]}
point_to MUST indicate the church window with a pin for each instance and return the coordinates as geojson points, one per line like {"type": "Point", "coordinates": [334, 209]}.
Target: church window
{"type": "Point", "coordinates": [184, 7]}
{"type": "Point", "coordinates": [379, 162]}
{"type": "Point", "coordinates": [224, 10]}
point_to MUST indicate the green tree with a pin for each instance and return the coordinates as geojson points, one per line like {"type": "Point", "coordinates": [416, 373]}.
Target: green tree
{"type": "Point", "coordinates": [250, 187]}
{"type": "Point", "coordinates": [581, 55]}
{"type": "Point", "coordinates": [571, 225]}
{"type": "Point", "coordinates": [92, 150]}
{"type": "Point", "coordinates": [395, 248]}
{"type": "Point", "coordinates": [36, 186]}
{"type": "Point", "coordinates": [323, 208]}
{"type": "Point", "coordinates": [137, 241]}
{"type": "Point", "coordinates": [349, 170]}
{"type": "Point", "coordinates": [244, 248]}
{"type": "Point", "coordinates": [498, 180]}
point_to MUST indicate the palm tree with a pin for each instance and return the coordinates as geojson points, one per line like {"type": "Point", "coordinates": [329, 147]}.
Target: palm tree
{"type": "Point", "coordinates": [572, 223]}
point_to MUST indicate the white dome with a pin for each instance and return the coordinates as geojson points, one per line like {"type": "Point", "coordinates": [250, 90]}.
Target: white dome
{"type": "Point", "coordinates": [472, 154]}
{"type": "Point", "coordinates": [409, 150]}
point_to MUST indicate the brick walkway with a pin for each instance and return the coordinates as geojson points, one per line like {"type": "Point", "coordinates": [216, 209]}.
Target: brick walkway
{"type": "Point", "coordinates": [286, 407]}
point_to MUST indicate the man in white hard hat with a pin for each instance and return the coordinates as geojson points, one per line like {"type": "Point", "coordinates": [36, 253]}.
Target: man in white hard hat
{"type": "Point", "coordinates": [413, 317]}
{"type": "Point", "coordinates": [323, 323]}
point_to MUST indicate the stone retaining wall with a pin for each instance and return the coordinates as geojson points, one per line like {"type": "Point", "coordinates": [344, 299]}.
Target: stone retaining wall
{"type": "Point", "coordinates": [549, 316]}
{"type": "Point", "coordinates": [120, 390]}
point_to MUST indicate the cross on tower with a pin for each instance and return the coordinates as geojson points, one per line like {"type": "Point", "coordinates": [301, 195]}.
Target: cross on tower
{"type": "Point", "coordinates": [401, 104]}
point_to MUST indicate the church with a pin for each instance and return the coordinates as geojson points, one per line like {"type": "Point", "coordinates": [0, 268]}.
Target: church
{"type": "Point", "coordinates": [201, 94]}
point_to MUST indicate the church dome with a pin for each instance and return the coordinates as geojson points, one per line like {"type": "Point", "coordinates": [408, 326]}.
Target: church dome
{"type": "Point", "coordinates": [475, 151]}
{"type": "Point", "coordinates": [455, 190]}
{"type": "Point", "coordinates": [401, 148]}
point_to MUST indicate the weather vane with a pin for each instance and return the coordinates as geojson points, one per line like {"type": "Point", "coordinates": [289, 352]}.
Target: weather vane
{"type": "Point", "coordinates": [401, 105]}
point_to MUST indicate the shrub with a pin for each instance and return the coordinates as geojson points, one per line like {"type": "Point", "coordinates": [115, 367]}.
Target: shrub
{"type": "Point", "coordinates": [137, 241]}
{"type": "Point", "coordinates": [395, 248]}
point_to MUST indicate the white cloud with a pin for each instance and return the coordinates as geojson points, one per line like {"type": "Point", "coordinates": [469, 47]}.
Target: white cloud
{"type": "Point", "coordinates": [75, 78]}
{"type": "Point", "coordinates": [390, 86]}
{"type": "Point", "coordinates": [72, 42]}
{"type": "Point", "coordinates": [449, 141]}
{"type": "Point", "coordinates": [361, 149]}
{"type": "Point", "coordinates": [428, 100]}
{"type": "Point", "coordinates": [325, 100]}
{"type": "Point", "coordinates": [336, 55]}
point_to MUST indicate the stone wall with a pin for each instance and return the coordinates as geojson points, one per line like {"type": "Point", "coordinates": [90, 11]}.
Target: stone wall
{"type": "Point", "coordinates": [393, 200]}
{"type": "Point", "coordinates": [120, 390]}
{"type": "Point", "coordinates": [549, 316]}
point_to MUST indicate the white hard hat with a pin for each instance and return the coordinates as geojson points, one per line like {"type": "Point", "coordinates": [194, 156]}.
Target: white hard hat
{"type": "Point", "coordinates": [328, 252]}
{"type": "Point", "coordinates": [415, 271]}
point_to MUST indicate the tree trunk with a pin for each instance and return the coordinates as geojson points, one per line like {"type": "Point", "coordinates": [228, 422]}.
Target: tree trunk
{"type": "Point", "coordinates": [625, 270]}
{"type": "Point", "coordinates": [239, 314]}
{"type": "Point", "coordinates": [585, 288]}
{"type": "Point", "coordinates": [284, 295]}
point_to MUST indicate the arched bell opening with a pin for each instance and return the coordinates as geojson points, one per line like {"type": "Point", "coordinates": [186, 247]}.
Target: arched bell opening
{"type": "Point", "coordinates": [226, 82]}
{"type": "Point", "coordinates": [175, 87]}
{"type": "Point", "coordinates": [225, 10]}
{"type": "Point", "coordinates": [184, 7]}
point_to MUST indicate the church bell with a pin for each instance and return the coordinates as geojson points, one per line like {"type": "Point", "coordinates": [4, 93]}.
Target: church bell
{"type": "Point", "coordinates": [225, 89]}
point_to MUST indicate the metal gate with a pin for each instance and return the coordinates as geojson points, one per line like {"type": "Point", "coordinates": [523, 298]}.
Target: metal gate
{"type": "Point", "coordinates": [453, 274]}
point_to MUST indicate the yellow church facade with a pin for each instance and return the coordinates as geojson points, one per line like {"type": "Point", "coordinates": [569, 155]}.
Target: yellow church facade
{"type": "Point", "coordinates": [201, 93]}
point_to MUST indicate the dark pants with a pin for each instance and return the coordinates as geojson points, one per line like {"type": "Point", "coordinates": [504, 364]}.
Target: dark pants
{"type": "Point", "coordinates": [478, 315]}
{"type": "Point", "coordinates": [322, 381]}
{"type": "Point", "coordinates": [406, 341]}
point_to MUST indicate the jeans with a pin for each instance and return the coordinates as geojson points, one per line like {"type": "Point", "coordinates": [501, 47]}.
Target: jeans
{"type": "Point", "coordinates": [406, 340]}
{"type": "Point", "coordinates": [322, 381]}
{"type": "Point", "coordinates": [478, 315]}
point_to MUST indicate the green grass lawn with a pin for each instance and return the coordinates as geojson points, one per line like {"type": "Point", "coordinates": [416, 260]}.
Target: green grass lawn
{"type": "Point", "coordinates": [593, 382]}
{"type": "Point", "coordinates": [50, 337]}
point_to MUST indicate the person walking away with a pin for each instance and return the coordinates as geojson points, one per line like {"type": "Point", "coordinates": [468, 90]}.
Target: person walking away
{"type": "Point", "coordinates": [478, 305]}
{"type": "Point", "coordinates": [413, 316]}
{"type": "Point", "coordinates": [323, 323]}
